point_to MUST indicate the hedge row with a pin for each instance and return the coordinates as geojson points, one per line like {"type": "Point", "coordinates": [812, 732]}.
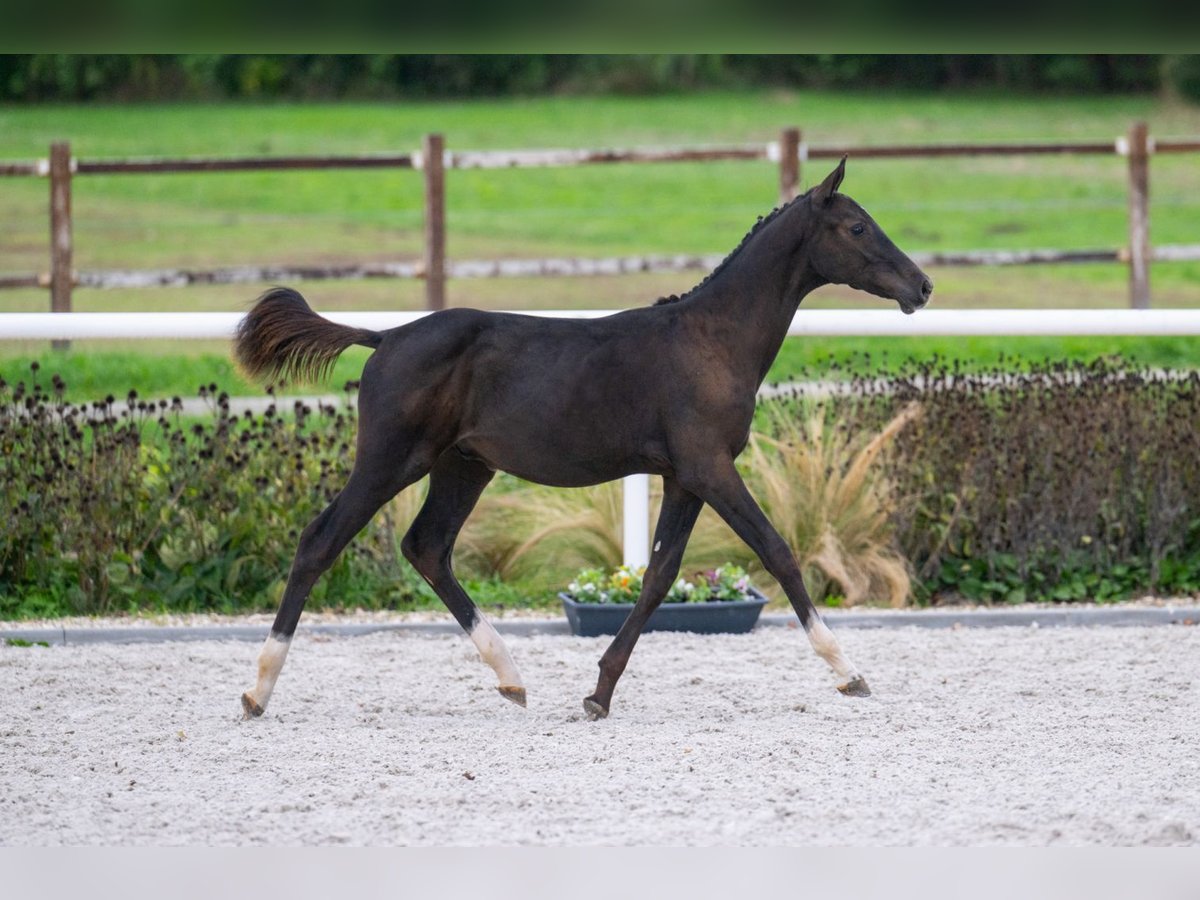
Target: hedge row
{"type": "Point", "coordinates": [1064, 482]}
{"type": "Point", "coordinates": [40, 77]}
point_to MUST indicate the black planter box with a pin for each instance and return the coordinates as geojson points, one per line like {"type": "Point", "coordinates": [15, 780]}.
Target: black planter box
{"type": "Point", "coordinates": [714, 617]}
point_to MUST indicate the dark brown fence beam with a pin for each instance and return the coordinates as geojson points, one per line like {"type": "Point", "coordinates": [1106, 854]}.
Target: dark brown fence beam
{"type": "Point", "coordinates": [519, 159]}
{"type": "Point", "coordinates": [939, 150]}
{"type": "Point", "coordinates": [1015, 257]}
{"type": "Point", "coordinates": [1139, 216]}
{"type": "Point", "coordinates": [60, 231]}
{"type": "Point", "coordinates": [435, 221]}
{"type": "Point", "coordinates": [1181, 146]}
{"type": "Point", "coordinates": [241, 164]}
{"type": "Point", "coordinates": [272, 274]}
{"type": "Point", "coordinates": [510, 159]}
{"type": "Point", "coordinates": [494, 159]}
{"type": "Point", "coordinates": [10, 282]}
{"type": "Point", "coordinates": [16, 169]}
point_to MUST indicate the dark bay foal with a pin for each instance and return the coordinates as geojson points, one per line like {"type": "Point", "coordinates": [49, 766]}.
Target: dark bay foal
{"type": "Point", "coordinates": [667, 389]}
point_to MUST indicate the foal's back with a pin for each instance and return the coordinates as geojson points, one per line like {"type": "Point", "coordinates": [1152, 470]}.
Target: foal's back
{"type": "Point", "coordinates": [545, 399]}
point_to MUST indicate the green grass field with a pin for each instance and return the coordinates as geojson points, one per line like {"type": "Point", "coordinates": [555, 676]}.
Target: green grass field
{"type": "Point", "coordinates": [136, 221]}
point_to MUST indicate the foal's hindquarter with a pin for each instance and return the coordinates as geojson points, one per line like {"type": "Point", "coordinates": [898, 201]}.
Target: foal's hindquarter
{"type": "Point", "coordinates": [668, 390]}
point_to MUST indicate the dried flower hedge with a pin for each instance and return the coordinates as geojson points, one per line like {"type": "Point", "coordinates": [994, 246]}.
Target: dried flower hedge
{"type": "Point", "coordinates": [124, 505]}
{"type": "Point", "coordinates": [1065, 482]}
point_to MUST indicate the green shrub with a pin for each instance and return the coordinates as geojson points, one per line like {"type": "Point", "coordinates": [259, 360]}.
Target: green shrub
{"type": "Point", "coordinates": [1063, 482]}
{"type": "Point", "coordinates": [39, 77]}
{"type": "Point", "coordinates": [1182, 74]}
{"type": "Point", "coordinates": [121, 506]}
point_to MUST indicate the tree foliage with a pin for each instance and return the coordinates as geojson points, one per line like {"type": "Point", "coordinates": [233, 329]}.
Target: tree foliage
{"type": "Point", "coordinates": [76, 77]}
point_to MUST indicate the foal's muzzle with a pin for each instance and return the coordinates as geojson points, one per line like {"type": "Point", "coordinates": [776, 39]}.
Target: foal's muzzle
{"type": "Point", "coordinates": [910, 306]}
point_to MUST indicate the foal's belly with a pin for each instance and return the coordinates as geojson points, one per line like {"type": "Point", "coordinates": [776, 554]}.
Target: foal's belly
{"type": "Point", "coordinates": [579, 476]}
{"type": "Point", "coordinates": [560, 464]}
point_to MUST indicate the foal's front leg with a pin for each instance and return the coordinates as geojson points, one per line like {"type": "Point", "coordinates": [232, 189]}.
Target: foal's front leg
{"type": "Point", "coordinates": [679, 511]}
{"type": "Point", "coordinates": [723, 489]}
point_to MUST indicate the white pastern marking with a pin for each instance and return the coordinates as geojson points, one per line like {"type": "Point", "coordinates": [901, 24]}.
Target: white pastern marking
{"type": "Point", "coordinates": [494, 652]}
{"type": "Point", "coordinates": [828, 648]}
{"type": "Point", "coordinates": [270, 661]}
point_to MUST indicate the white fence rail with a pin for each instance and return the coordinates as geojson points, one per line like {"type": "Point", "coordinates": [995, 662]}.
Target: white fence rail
{"type": "Point", "coordinates": [813, 322]}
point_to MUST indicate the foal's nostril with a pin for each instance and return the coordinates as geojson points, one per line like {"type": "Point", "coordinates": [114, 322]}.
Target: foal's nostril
{"type": "Point", "coordinates": [926, 288]}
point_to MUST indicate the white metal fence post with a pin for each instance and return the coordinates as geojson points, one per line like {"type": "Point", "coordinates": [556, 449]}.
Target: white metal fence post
{"type": "Point", "coordinates": [636, 533]}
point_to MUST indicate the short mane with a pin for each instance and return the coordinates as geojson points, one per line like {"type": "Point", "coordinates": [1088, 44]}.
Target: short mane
{"type": "Point", "coordinates": [754, 229]}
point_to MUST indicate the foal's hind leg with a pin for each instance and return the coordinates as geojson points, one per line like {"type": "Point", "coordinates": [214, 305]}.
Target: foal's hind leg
{"type": "Point", "coordinates": [325, 537]}
{"type": "Point", "coordinates": [455, 484]}
{"type": "Point", "coordinates": [675, 523]}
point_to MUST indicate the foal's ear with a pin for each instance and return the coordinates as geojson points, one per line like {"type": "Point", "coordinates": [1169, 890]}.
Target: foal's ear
{"type": "Point", "coordinates": [829, 186]}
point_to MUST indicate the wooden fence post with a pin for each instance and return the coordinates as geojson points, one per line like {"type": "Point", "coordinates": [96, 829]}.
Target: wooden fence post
{"type": "Point", "coordinates": [1139, 216]}
{"type": "Point", "coordinates": [435, 221]}
{"type": "Point", "coordinates": [60, 232]}
{"type": "Point", "coordinates": [789, 164]}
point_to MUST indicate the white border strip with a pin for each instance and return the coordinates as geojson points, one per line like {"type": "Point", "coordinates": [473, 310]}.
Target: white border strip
{"type": "Point", "coordinates": [1077, 615]}
{"type": "Point", "coordinates": [812, 322]}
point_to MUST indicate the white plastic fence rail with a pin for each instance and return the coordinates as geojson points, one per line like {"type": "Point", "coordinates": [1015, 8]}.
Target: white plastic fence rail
{"type": "Point", "coordinates": [812, 322]}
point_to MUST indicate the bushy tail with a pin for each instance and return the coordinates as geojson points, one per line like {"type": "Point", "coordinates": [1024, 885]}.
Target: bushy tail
{"type": "Point", "coordinates": [281, 337]}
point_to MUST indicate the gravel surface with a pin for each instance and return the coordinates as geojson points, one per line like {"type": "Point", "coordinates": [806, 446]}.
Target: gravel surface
{"type": "Point", "coordinates": [974, 736]}
{"type": "Point", "coordinates": [311, 617]}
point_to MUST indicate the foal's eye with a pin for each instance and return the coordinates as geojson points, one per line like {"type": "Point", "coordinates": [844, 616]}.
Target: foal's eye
{"type": "Point", "coordinates": [857, 228]}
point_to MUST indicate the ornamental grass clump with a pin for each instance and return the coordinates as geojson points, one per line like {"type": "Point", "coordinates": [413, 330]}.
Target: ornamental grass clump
{"type": "Point", "coordinates": [523, 530]}
{"type": "Point", "coordinates": [820, 482]}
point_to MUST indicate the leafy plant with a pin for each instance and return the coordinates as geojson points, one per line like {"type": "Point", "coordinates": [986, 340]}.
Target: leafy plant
{"type": "Point", "coordinates": [1182, 73]}
{"type": "Point", "coordinates": [623, 584]}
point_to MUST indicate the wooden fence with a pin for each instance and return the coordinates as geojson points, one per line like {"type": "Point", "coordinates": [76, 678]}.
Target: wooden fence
{"type": "Point", "coordinates": [790, 152]}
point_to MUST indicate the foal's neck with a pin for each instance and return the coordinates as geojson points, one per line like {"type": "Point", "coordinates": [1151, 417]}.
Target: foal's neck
{"type": "Point", "coordinates": [756, 293]}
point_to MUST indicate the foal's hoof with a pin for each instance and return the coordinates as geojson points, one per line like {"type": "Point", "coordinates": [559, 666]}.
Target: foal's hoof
{"type": "Point", "coordinates": [515, 694]}
{"type": "Point", "coordinates": [855, 687]}
{"type": "Point", "coordinates": [594, 710]}
{"type": "Point", "coordinates": [250, 707]}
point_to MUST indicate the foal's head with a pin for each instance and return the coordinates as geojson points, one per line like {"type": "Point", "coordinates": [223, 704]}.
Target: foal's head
{"type": "Point", "coordinates": [846, 246]}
